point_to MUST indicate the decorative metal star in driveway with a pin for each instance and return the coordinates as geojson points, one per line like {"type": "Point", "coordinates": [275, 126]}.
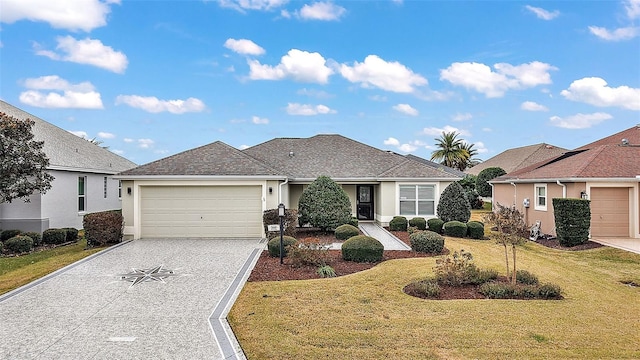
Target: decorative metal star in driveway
{"type": "Point", "coordinates": [137, 276]}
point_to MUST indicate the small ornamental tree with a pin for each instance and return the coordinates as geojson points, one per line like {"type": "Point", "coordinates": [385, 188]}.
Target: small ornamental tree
{"type": "Point", "coordinates": [511, 231]}
{"type": "Point", "coordinates": [23, 164]}
{"type": "Point", "coordinates": [453, 204]}
{"type": "Point", "coordinates": [482, 186]}
{"type": "Point", "coordinates": [324, 204]}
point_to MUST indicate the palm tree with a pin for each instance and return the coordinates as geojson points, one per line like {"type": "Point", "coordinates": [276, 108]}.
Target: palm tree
{"type": "Point", "coordinates": [471, 158]}
{"type": "Point", "coordinates": [450, 151]}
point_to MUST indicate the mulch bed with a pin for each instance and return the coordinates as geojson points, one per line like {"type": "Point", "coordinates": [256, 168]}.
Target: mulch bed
{"type": "Point", "coordinates": [553, 243]}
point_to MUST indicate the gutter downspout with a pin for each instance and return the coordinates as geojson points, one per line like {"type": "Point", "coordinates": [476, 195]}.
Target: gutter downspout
{"type": "Point", "coordinates": [564, 189]}
{"type": "Point", "coordinates": [515, 193]}
{"type": "Point", "coordinates": [286, 181]}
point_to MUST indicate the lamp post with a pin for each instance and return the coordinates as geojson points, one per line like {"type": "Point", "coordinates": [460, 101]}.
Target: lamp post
{"type": "Point", "coordinates": [281, 215]}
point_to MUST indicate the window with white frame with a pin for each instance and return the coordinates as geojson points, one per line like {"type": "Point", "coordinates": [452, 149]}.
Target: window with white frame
{"type": "Point", "coordinates": [541, 197]}
{"type": "Point", "coordinates": [82, 191]}
{"type": "Point", "coordinates": [417, 200]}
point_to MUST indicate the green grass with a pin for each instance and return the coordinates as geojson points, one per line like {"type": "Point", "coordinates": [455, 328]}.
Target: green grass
{"type": "Point", "coordinates": [366, 315]}
{"type": "Point", "coordinates": [21, 270]}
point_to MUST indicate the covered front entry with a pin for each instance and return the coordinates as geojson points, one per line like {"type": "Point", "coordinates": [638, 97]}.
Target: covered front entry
{"type": "Point", "coordinates": [609, 211]}
{"type": "Point", "coordinates": [364, 202]}
{"type": "Point", "coordinates": [201, 211]}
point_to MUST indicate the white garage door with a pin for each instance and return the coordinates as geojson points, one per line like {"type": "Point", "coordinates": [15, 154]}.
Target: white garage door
{"type": "Point", "coordinates": [609, 212]}
{"type": "Point", "coordinates": [201, 211]}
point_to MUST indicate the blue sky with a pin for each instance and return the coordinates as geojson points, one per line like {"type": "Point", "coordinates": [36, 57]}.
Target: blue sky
{"type": "Point", "coordinates": [153, 78]}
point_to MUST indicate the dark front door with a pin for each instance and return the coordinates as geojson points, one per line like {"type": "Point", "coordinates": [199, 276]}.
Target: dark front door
{"type": "Point", "coordinates": [364, 202]}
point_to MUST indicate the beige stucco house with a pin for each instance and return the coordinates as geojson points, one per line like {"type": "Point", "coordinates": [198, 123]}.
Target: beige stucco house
{"type": "Point", "coordinates": [219, 191]}
{"type": "Point", "coordinates": [607, 172]}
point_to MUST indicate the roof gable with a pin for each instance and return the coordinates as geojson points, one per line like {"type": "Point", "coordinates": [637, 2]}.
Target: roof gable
{"type": "Point", "coordinates": [517, 158]}
{"type": "Point", "coordinates": [67, 151]}
{"type": "Point", "coordinates": [631, 136]}
{"type": "Point", "coordinates": [215, 159]}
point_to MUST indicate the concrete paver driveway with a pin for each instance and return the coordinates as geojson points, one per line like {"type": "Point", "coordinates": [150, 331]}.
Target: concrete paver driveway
{"type": "Point", "coordinates": [97, 309]}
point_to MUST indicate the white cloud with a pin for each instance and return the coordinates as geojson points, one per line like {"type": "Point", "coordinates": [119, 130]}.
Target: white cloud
{"type": "Point", "coordinates": [462, 117]}
{"type": "Point", "coordinates": [390, 76]}
{"type": "Point", "coordinates": [434, 131]}
{"type": "Point", "coordinates": [244, 46]}
{"type": "Point", "coordinates": [285, 14]}
{"type": "Point", "coordinates": [392, 141]}
{"type": "Point", "coordinates": [297, 65]}
{"type": "Point", "coordinates": [632, 8]}
{"type": "Point", "coordinates": [483, 79]}
{"type": "Point", "coordinates": [259, 121]}
{"type": "Point", "coordinates": [128, 140]}
{"type": "Point", "coordinates": [80, 133]}
{"type": "Point", "coordinates": [320, 94]}
{"type": "Point", "coordinates": [322, 10]}
{"type": "Point", "coordinates": [87, 51]}
{"type": "Point", "coordinates": [106, 135]}
{"type": "Point", "coordinates": [154, 105]}
{"type": "Point", "coordinates": [64, 94]}
{"type": "Point", "coordinates": [542, 13]}
{"type": "Point", "coordinates": [533, 106]}
{"type": "Point", "coordinates": [594, 91]}
{"type": "Point", "coordinates": [83, 15]}
{"type": "Point", "coordinates": [406, 109]}
{"type": "Point", "coordinates": [378, 98]}
{"type": "Point", "coordinates": [116, 151]}
{"type": "Point", "coordinates": [145, 143]}
{"type": "Point", "coordinates": [480, 147]}
{"type": "Point", "coordinates": [579, 121]}
{"type": "Point", "coordinates": [619, 34]}
{"type": "Point", "coordinates": [409, 147]}
{"type": "Point", "coordinates": [261, 5]}
{"type": "Point", "coordinates": [308, 110]}
{"type": "Point", "coordinates": [486, 129]}
{"type": "Point", "coordinates": [242, 147]}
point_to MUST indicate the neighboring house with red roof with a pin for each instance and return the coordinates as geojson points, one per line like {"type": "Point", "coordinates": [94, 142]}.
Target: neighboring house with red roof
{"type": "Point", "coordinates": [518, 158]}
{"type": "Point", "coordinates": [219, 191]}
{"type": "Point", "coordinates": [607, 172]}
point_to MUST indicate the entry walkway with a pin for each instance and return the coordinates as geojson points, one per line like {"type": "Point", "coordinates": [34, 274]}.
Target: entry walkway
{"type": "Point", "coordinates": [387, 239]}
{"type": "Point", "coordinates": [628, 244]}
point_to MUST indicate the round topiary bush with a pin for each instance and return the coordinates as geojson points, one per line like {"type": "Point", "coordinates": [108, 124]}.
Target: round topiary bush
{"type": "Point", "coordinates": [435, 225]}
{"type": "Point", "coordinates": [8, 234]}
{"type": "Point", "coordinates": [72, 234]}
{"type": "Point", "coordinates": [455, 229]}
{"type": "Point", "coordinates": [418, 222]}
{"type": "Point", "coordinates": [274, 245]}
{"type": "Point", "coordinates": [324, 204]}
{"type": "Point", "coordinates": [353, 221]}
{"type": "Point", "coordinates": [54, 236]}
{"type": "Point", "coordinates": [398, 223]}
{"type": "Point", "coordinates": [19, 244]}
{"type": "Point", "coordinates": [362, 248]}
{"type": "Point", "coordinates": [346, 231]}
{"type": "Point", "coordinates": [475, 230]}
{"type": "Point", "coordinates": [427, 241]}
{"type": "Point", "coordinates": [453, 204]}
{"type": "Point", "coordinates": [35, 236]}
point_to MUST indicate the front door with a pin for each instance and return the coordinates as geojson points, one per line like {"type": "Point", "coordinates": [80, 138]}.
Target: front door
{"type": "Point", "coordinates": [364, 202]}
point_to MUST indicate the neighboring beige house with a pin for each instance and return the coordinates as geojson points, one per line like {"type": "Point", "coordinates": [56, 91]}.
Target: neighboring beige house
{"type": "Point", "coordinates": [518, 158]}
{"type": "Point", "coordinates": [607, 172]}
{"type": "Point", "coordinates": [83, 181]}
{"type": "Point", "coordinates": [219, 191]}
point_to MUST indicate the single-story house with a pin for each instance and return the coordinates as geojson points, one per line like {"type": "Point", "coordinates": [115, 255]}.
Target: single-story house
{"type": "Point", "coordinates": [517, 158]}
{"type": "Point", "coordinates": [83, 182]}
{"type": "Point", "coordinates": [607, 172]}
{"type": "Point", "coordinates": [219, 191]}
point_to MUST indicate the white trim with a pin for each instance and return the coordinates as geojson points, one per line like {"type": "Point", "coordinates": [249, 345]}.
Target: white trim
{"type": "Point", "coordinates": [553, 180]}
{"type": "Point", "coordinates": [198, 177]}
{"type": "Point", "coordinates": [536, 198]}
{"type": "Point", "coordinates": [83, 170]}
{"type": "Point", "coordinates": [436, 198]}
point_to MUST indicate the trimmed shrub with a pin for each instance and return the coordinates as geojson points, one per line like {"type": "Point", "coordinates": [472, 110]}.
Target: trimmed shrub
{"type": "Point", "coordinates": [453, 205]}
{"type": "Point", "coordinates": [428, 288]}
{"type": "Point", "coordinates": [427, 241]}
{"type": "Point", "coordinates": [346, 231]}
{"type": "Point", "coordinates": [72, 234]}
{"type": "Point", "coordinates": [455, 229]}
{"type": "Point", "coordinates": [483, 276]}
{"type": "Point", "coordinates": [273, 246]}
{"type": "Point", "coordinates": [19, 244]}
{"type": "Point", "coordinates": [289, 222]}
{"type": "Point", "coordinates": [398, 223]}
{"type": "Point", "coordinates": [1, 246]}
{"type": "Point", "coordinates": [35, 236]}
{"type": "Point", "coordinates": [418, 222]}
{"type": "Point", "coordinates": [482, 186]}
{"type": "Point", "coordinates": [412, 229]}
{"type": "Point", "coordinates": [105, 227]}
{"type": "Point", "coordinates": [353, 221]}
{"type": "Point", "coordinates": [54, 236]}
{"type": "Point", "coordinates": [456, 270]}
{"type": "Point", "coordinates": [324, 204]}
{"type": "Point", "coordinates": [573, 218]}
{"type": "Point", "coordinates": [362, 248]}
{"type": "Point", "coordinates": [526, 278]}
{"type": "Point", "coordinates": [8, 234]}
{"type": "Point", "coordinates": [474, 199]}
{"type": "Point", "coordinates": [549, 291]}
{"type": "Point", "coordinates": [435, 225]}
{"type": "Point", "coordinates": [475, 230]}
{"type": "Point", "coordinates": [495, 290]}
{"type": "Point", "coordinates": [308, 252]}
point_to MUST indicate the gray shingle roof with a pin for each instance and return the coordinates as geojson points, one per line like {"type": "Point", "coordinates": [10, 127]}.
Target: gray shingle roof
{"type": "Point", "coordinates": [518, 158]}
{"type": "Point", "coordinates": [68, 151]}
{"type": "Point", "coordinates": [452, 171]}
{"type": "Point", "coordinates": [215, 159]}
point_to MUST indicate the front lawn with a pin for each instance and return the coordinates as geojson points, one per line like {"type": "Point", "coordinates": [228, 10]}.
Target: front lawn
{"type": "Point", "coordinates": [21, 270]}
{"type": "Point", "coordinates": [366, 315]}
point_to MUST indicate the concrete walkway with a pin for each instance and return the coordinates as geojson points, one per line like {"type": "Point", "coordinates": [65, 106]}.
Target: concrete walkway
{"type": "Point", "coordinates": [146, 299]}
{"type": "Point", "coordinates": [628, 244]}
{"type": "Point", "coordinates": [387, 239]}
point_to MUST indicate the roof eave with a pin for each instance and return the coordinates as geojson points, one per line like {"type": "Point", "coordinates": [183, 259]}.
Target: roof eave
{"type": "Point", "coordinates": [572, 179]}
{"type": "Point", "coordinates": [83, 170]}
{"type": "Point", "coordinates": [420, 179]}
{"type": "Point", "coordinates": [199, 177]}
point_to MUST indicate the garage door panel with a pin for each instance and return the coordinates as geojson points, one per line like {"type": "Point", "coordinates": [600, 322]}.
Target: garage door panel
{"type": "Point", "coordinates": [201, 211]}
{"type": "Point", "coordinates": [610, 212]}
